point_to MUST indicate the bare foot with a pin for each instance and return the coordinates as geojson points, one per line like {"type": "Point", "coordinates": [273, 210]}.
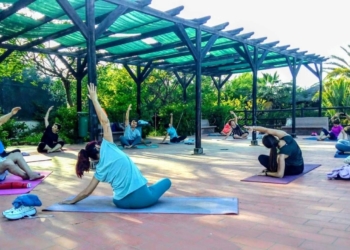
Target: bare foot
{"type": "Point", "coordinates": [35, 176]}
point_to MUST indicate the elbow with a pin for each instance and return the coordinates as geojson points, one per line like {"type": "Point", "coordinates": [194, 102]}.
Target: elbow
{"type": "Point", "coordinates": [104, 121]}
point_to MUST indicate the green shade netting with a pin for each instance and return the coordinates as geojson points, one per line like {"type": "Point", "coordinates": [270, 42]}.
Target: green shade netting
{"type": "Point", "coordinates": [217, 62]}
{"type": "Point", "coordinates": [160, 53]}
{"type": "Point", "coordinates": [15, 23]}
{"type": "Point", "coordinates": [129, 47]}
{"type": "Point", "coordinates": [71, 39]}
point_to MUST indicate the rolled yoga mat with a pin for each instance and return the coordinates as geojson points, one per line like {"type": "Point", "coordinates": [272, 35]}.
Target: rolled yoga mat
{"type": "Point", "coordinates": [285, 180]}
{"type": "Point", "coordinates": [165, 205]}
{"type": "Point", "coordinates": [13, 178]}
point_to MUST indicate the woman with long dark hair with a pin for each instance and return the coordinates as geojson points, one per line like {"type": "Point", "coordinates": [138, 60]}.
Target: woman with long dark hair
{"type": "Point", "coordinates": [285, 155]}
{"type": "Point", "coordinates": [130, 188]}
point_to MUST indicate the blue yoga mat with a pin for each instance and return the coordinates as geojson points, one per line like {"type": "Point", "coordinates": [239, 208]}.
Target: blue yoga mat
{"type": "Point", "coordinates": [165, 205]}
{"type": "Point", "coordinates": [314, 138]}
{"type": "Point", "coordinates": [343, 155]}
{"type": "Point", "coordinates": [140, 146]}
{"type": "Point", "coordinates": [215, 134]}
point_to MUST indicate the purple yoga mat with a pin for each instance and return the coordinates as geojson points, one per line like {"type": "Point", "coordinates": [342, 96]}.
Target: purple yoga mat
{"type": "Point", "coordinates": [14, 178]}
{"type": "Point", "coordinates": [284, 180]}
{"type": "Point", "coordinates": [165, 205]}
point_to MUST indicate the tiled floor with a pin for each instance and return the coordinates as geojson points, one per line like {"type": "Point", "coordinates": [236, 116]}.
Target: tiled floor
{"type": "Point", "coordinates": [309, 213]}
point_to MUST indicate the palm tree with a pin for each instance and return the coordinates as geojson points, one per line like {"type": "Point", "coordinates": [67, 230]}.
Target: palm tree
{"type": "Point", "coordinates": [268, 79]}
{"type": "Point", "coordinates": [339, 66]}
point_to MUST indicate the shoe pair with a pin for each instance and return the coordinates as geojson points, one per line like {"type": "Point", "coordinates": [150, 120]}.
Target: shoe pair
{"type": "Point", "coordinates": [19, 213]}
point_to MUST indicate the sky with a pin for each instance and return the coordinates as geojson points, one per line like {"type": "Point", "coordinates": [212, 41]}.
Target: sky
{"type": "Point", "coordinates": [318, 26]}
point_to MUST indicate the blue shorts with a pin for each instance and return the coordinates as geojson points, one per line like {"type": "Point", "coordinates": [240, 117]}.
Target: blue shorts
{"type": "Point", "coordinates": [3, 175]}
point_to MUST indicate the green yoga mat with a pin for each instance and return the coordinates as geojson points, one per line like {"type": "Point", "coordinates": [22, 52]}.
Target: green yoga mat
{"type": "Point", "coordinates": [165, 205]}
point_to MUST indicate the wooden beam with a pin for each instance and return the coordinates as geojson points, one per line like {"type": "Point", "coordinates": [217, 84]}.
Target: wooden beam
{"type": "Point", "coordinates": [72, 14]}
{"type": "Point", "coordinates": [14, 8]}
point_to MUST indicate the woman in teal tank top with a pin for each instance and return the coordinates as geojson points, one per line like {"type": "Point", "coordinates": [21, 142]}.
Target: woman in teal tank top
{"type": "Point", "coordinates": [129, 186]}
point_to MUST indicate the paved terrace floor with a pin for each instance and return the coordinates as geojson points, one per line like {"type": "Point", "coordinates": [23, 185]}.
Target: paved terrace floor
{"type": "Point", "coordinates": [309, 213]}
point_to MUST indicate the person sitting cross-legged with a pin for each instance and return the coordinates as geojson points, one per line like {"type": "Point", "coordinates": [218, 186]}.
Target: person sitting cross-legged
{"type": "Point", "coordinates": [285, 156]}
{"type": "Point", "coordinates": [171, 131]}
{"type": "Point", "coordinates": [132, 135]}
{"type": "Point", "coordinates": [49, 141]}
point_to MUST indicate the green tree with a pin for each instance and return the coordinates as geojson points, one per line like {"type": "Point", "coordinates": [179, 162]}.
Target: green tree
{"type": "Point", "coordinates": [14, 65]}
{"type": "Point", "coordinates": [336, 93]}
{"type": "Point", "coordinates": [339, 67]}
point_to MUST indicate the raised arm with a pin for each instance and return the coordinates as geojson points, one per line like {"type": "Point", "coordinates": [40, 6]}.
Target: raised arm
{"type": "Point", "coordinates": [270, 131]}
{"type": "Point", "coordinates": [102, 116]}
{"type": "Point", "coordinates": [235, 116]}
{"type": "Point", "coordinates": [5, 118]}
{"type": "Point", "coordinates": [171, 119]}
{"type": "Point", "coordinates": [127, 122]}
{"type": "Point", "coordinates": [46, 118]}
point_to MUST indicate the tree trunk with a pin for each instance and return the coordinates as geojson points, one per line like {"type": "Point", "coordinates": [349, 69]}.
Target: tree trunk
{"type": "Point", "coordinates": [66, 85]}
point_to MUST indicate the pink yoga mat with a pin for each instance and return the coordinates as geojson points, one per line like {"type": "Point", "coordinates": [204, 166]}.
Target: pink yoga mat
{"type": "Point", "coordinates": [284, 180]}
{"type": "Point", "coordinates": [13, 178]}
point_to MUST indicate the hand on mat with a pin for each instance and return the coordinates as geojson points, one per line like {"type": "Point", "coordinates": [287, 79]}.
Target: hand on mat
{"type": "Point", "coordinates": [262, 172]}
{"type": "Point", "coordinates": [66, 202]}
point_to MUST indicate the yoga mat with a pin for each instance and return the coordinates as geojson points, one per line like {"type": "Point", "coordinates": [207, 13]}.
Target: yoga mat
{"type": "Point", "coordinates": [166, 205]}
{"type": "Point", "coordinates": [36, 158]}
{"type": "Point", "coordinates": [14, 178]}
{"type": "Point", "coordinates": [139, 147]}
{"type": "Point", "coordinates": [314, 138]}
{"type": "Point", "coordinates": [215, 134]}
{"type": "Point", "coordinates": [189, 141]}
{"type": "Point", "coordinates": [285, 180]}
{"type": "Point", "coordinates": [343, 155]}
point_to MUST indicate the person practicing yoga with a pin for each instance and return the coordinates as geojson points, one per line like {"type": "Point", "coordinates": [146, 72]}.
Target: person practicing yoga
{"type": "Point", "coordinates": [132, 135]}
{"type": "Point", "coordinates": [285, 155]}
{"type": "Point", "coordinates": [172, 133]}
{"type": "Point", "coordinates": [13, 162]}
{"type": "Point", "coordinates": [334, 132]}
{"type": "Point", "coordinates": [49, 141]}
{"type": "Point", "coordinates": [129, 186]}
{"type": "Point", "coordinates": [237, 132]}
{"type": "Point", "coordinates": [227, 130]}
{"type": "Point", "coordinates": [343, 145]}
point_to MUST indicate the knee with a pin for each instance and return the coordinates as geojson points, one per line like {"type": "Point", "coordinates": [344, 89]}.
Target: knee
{"type": "Point", "coordinates": [15, 156]}
{"type": "Point", "coordinates": [167, 182]}
{"type": "Point", "coordinates": [8, 164]}
{"type": "Point", "coordinates": [262, 158]}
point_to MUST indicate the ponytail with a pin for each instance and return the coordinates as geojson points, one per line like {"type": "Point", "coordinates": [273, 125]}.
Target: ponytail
{"type": "Point", "coordinates": [83, 163]}
{"type": "Point", "coordinates": [271, 142]}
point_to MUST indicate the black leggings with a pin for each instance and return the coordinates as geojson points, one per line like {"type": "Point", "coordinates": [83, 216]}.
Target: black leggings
{"type": "Point", "coordinates": [42, 145]}
{"type": "Point", "coordinates": [288, 170]}
{"type": "Point", "coordinates": [178, 139]}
